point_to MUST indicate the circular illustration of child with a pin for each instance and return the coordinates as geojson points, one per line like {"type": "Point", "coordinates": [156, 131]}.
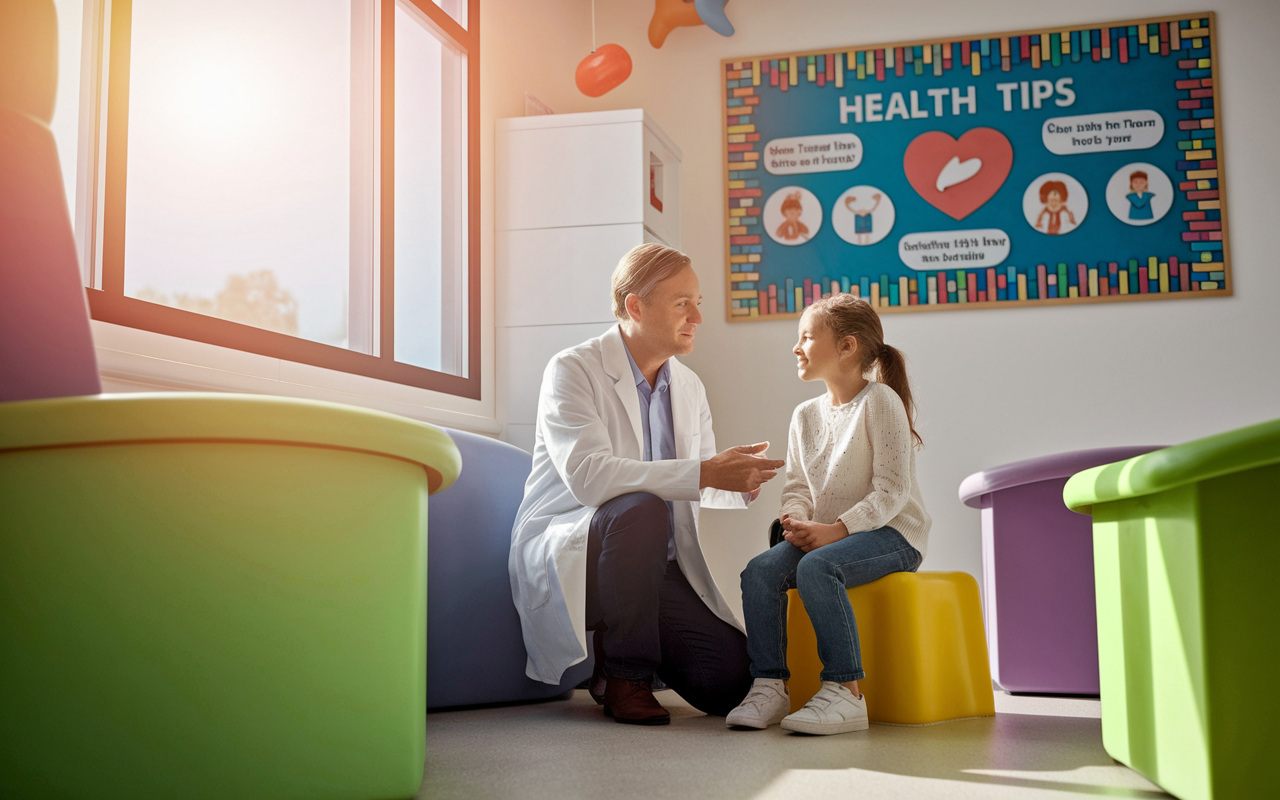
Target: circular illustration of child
{"type": "Point", "coordinates": [1139, 193]}
{"type": "Point", "coordinates": [862, 215]}
{"type": "Point", "coordinates": [792, 215]}
{"type": "Point", "coordinates": [1055, 203]}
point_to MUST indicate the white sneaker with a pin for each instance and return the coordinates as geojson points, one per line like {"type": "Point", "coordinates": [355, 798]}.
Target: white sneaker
{"type": "Point", "coordinates": [766, 704]}
{"type": "Point", "coordinates": [833, 709]}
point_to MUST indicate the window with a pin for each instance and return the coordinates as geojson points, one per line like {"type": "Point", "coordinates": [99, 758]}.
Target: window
{"type": "Point", "coordinates": [290, 178]}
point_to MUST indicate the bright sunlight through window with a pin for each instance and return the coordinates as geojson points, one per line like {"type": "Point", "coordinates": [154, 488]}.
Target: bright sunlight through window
{"type": "Point", "coordinates": [291, 178]}
{"type": "Point", "coordinates": [239, 162]}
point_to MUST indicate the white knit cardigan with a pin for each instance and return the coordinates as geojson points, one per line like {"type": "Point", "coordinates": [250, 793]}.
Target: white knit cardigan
{"type": "Point", "coordinates": [855, 463]}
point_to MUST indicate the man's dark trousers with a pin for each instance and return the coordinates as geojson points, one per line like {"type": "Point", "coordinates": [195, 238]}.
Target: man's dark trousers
{"type": "Point", "coordinates": [653, 620]}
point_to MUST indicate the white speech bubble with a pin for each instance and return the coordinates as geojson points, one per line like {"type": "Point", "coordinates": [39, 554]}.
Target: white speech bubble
{"type": "Point", "coordinates": [828, 152]}
{"type": "Point", "coordinates": [1103, 133]}
{"type": "Point", "coordinates": [985, 247]}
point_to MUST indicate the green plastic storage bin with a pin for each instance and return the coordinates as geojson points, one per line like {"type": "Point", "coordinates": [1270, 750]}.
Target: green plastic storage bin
{"type": "Point", "coordinates": [213, 596]}
{"type": "Point", "coordinates": [1187, 568]}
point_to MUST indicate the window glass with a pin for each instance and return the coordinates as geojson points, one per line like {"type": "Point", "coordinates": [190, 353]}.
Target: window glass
{"type": "Point", "coordinates": [456, 9]}
{"type": "Point", "coordinates": [296, 166]}
{"type": "Point", "coordinates": [430, 197]}
{"type": "Point", "coordinates": [239, 161]}
{"type": "Point", "coordinates": [66, 110]}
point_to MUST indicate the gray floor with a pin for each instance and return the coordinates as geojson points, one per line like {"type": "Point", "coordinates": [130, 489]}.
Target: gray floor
{"type": "Point", "coordinates": [1034, 747]}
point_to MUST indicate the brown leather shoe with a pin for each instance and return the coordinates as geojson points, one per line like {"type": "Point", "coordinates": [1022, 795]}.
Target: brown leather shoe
{"type": "Point", "coordinates": [632, 703]}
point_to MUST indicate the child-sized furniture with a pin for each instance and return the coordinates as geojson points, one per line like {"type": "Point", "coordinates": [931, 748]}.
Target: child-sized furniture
{"type": "Point", "coordinates": [1037, 573]}
{"type": "Point", "coordinates": [213, 596]}
{"type": "Point", "coordinates": [922, 648]}
{"type": "Point", "coordinates": [46, 347]}
{"type": "Point", "coordinates": [201, 596]}
{"type": "Point", "coordinates": [1185, 549]}
{"type": "Point", "coordinates": [475, 651]}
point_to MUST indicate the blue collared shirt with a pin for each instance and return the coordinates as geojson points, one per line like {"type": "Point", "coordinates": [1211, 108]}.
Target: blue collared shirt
{"type": "Point", "coordinates": [656, 424]}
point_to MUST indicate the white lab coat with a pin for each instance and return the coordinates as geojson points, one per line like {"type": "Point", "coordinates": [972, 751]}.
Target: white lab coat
{"type": "Point", "coordinates": [587, 451]}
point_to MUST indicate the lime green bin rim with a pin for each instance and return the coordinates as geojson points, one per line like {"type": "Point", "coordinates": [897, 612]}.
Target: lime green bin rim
{"type": "Point", "coordinates": [233, 418]}
{"type": "Point", "coordinates": [1234, 451]}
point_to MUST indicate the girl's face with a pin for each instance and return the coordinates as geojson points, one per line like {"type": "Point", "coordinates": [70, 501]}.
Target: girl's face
{"type": "Point", "coordinates": [791, 213]}
{"type": "Point", "coordinates": [817, 352]}
{"type": "Point", "coordinates": [1055, 200]}
{"type": "Point", "coordinates": [1138, 185]}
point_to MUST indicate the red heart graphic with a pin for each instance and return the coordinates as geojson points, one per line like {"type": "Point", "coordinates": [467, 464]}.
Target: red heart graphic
{"type": "Point", "coordinates": [929, 152]}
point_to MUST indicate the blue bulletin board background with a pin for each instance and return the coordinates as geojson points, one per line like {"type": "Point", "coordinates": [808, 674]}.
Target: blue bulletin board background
{"type": "Point", "coordinates": [1164, 66]}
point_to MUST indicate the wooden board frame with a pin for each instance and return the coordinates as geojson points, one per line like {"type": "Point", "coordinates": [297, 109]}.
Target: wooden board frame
{"type": "Point", "coordinates": [748, 287]}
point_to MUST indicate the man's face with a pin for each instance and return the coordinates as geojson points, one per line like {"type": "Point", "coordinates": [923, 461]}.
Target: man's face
{"type": "Point", "coordinates": [669, 318]}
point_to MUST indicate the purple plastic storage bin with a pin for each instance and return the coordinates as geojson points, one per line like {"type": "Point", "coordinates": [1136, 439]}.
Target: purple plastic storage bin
{"type": "Point", "coordinates": [1037, 572]}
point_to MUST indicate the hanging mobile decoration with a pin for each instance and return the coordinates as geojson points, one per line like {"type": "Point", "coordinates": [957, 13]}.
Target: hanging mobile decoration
{"type": "Point", "coordinates": [671, 14]}
{"type": "Point", "coordinates": [711, 12]}
{"type": "Point", "coordinates": [605, 68]}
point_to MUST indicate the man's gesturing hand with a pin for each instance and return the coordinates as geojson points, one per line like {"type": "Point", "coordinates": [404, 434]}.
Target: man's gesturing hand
{"type": "Point", "coordinates": [739, 469]}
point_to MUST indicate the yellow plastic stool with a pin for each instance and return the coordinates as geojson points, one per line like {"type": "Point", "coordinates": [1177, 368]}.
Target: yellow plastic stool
{"type": "Point", "coordinates": [923, 649]}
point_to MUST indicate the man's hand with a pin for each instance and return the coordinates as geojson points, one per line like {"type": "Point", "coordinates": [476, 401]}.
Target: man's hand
{"type": "Point", "coordinates": [739, 469]}
{"type": "Point", "coordinates": [812, 535]}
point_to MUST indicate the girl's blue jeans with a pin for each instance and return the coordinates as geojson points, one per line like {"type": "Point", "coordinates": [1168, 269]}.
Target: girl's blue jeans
{"type": "Point", "coordinates": [822, 576]}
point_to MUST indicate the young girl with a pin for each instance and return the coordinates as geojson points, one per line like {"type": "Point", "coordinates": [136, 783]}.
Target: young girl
{"type": "Point", "coordinates": [851, 513]}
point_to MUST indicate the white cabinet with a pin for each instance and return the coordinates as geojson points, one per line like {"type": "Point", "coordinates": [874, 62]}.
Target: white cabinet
{"type": "Point", "coordinates": [574, 193]}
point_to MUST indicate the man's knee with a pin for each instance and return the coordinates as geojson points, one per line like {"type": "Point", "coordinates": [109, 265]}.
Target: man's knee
{"type": "Point", "coordinates": [726, 692]}
{"type": "Point", "coordinates": [638, 507]}
{"type": "Point", "coordinates": [639, 516]}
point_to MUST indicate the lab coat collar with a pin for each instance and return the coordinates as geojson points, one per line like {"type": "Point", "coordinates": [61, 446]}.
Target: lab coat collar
{"type": "Point", "coordinates": [685, 403]}
{"type": "Point", "coordinates": [616, 362]}
{"type": "Point", "coordinates": [642, 383]}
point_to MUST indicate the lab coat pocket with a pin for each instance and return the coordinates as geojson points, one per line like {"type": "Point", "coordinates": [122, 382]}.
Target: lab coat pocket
{"type": "Point", "coordinates": [560, 537]}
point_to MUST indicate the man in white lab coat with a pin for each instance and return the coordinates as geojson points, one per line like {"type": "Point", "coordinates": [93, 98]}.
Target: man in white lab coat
{"type": "Point", "coordinates": [607, 536]}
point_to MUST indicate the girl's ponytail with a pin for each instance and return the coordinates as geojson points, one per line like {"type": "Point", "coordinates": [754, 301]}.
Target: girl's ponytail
{"type": "Point", "coordinates": [893, 373]}
{"type": "Point", "coordinates": [847, 315]}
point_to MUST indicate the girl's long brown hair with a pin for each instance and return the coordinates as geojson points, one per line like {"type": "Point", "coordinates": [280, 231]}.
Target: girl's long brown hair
{"type": "Point", "coordinates": [846, 315]}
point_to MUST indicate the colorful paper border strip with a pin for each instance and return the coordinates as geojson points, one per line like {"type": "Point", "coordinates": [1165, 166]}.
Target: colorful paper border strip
{"type": "Point", "coordinates": [1186, 39]}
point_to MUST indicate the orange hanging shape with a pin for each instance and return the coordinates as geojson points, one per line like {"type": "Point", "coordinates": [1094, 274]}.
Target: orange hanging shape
{"type": "Point", "coordinates": [669, 15]}
{"type": "Point", "coordinates": [603, 70]}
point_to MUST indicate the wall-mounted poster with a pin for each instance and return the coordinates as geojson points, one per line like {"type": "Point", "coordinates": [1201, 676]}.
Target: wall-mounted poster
{"type": "Point", "coordinates": [1032, 168]}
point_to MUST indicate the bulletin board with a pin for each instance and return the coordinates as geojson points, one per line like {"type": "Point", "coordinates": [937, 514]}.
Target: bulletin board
{"type": "Point", "coordinates": [1076, 165]}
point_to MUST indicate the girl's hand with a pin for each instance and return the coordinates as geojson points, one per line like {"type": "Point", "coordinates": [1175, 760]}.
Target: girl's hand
{"type": "Point", "coordinates": [810, 536]}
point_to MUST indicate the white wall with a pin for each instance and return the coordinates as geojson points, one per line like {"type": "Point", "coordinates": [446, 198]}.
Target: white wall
{"type": "Point", "coordinates": [993, 385]}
